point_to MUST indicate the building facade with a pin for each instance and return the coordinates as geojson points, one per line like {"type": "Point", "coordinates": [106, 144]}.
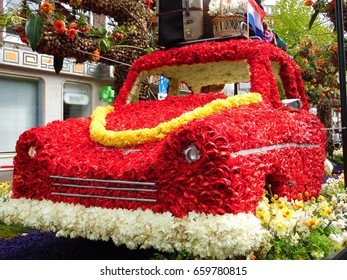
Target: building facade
{"type": "Point", "coordinates": [32, 94]}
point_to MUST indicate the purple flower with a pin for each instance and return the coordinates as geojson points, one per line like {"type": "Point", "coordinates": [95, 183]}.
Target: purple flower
{"type": "Point", "coordinates": [37, 245]}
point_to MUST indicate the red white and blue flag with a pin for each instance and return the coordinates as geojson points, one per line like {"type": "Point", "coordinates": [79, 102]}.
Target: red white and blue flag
{"type": "Point", "coordinates": [255, 18]}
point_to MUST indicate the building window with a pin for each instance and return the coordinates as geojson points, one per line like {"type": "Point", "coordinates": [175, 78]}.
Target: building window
{"type": "Point", "coordinates": [20, 109]}
{"type": "Point", "coordinates": [76, 100]}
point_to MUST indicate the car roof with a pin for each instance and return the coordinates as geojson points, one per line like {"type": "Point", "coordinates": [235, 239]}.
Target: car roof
{"type": "Point", "coordinates": [264, 57]}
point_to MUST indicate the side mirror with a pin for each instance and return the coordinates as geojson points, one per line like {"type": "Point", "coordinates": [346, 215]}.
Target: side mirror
{"type": "Point", "coordinates": [292, 103]}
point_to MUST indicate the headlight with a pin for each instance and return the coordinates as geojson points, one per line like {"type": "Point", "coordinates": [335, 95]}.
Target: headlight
{"type": "Point", "coordinates": [192, 153]}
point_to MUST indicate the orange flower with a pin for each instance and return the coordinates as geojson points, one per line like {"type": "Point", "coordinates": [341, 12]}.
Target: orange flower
{"type": "Point", "coordinates": [320, 62]}
{"type": "Point", "coordinates": [96, 55]}
{"type": "Point", "coordinates": [71, 33]}
{"type": "Point", "coordinates": [308, 3]}
{"type": "Point", "coordinates": [59, 26]}
{"type": "Point", "coordinates": [73, 25]}
{"type": "Point", "coordinates": [47, 8]}
{"type": "Point", "coordinates": [86, 28]}
{"type": "Point", "coordinates": [75, 3]}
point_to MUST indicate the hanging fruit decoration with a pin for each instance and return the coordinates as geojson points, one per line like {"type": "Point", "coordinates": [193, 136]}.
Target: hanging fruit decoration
{"type": "Point", "coordinates": [56, 30]}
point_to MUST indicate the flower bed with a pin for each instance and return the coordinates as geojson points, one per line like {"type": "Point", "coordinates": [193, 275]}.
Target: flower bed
{"type": "Point", "coordinates": [315, 229]}
{"type": "Point", "coordinates": [5, 191]}
{"type": "Point", "coordinates": [37, 245]}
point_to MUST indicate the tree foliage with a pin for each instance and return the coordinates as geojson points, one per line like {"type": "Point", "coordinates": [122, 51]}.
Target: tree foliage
{"type": "Point", "coordinates": [292, 20]}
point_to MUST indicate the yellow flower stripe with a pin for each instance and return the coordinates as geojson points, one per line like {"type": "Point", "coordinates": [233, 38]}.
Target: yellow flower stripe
{"type": "Point", "coordinates": [122, 139]}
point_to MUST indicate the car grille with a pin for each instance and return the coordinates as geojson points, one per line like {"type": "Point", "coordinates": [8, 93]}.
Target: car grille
{"type": "Point", "coordinates": [73, 187]}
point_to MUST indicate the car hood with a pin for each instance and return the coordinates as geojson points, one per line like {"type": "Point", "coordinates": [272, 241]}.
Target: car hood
{"type": "Point", "coordinates": [136, 124]}
{"type": "Point", "coordinates": [151, 113]}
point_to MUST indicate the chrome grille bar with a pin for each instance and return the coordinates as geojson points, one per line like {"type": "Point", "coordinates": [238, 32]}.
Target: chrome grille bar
{"type": "Point", "coordinates": [105, 197]}
{"type": "Point", "coordinates": [104, 181]}
{"type": "Point", "coordinates": [104, 188]}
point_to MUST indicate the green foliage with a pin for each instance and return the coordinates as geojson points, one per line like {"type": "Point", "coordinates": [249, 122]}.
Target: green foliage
{"type": "Point", "coordinates": [333, 188]}
{"type": "Point", "coordinates": [105, 44]}
{"type": "Point", "coordinates": [338, 156]}
{"type": "Point", "coordinates": [312, 43]}
{"type": "Point", "coordinates": [291, 21]}
{"type": "Point", "coordinates": [10, 231]}
{"type": "Point", "coordinates": [100, 32]}
{"type": "Point", "coordinates": [82, 20]}
{"type": "Point", "coordinates": [33, 30]}
{"type": "Point", "coordinates": [182, 255]}
{"type": "Point", "coordinates": [316, 245]}
{"type": "Point", "coordinates": [319, 68]}
{"type": "Point", "coordinates": [9, 19]}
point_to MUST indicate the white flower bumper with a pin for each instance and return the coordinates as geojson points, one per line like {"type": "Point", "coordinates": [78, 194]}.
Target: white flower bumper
{"type": "Point", "coordinates": [204, 236]}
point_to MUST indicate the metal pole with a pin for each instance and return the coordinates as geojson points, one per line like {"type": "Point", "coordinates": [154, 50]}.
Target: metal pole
{"type": "Point", "coordinates": [342, 78]}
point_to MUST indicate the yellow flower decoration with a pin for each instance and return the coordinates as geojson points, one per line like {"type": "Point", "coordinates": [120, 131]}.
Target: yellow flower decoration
{"type": "Point", "coordinates": [122, 139]}
{"type": "Point", "coordinates": [287, 213]}
{"type": "Point", "coordinates": [4, 188]}
{"type": "Point", "coordinates": [312, 222]}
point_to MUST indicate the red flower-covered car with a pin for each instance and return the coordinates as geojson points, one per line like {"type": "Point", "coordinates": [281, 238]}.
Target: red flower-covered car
{"type": "Point", "coordinates": [203, 153]}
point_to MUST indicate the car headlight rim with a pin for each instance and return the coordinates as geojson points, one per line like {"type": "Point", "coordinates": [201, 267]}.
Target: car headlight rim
{"type": "Point", "coordinates": [192, 153]}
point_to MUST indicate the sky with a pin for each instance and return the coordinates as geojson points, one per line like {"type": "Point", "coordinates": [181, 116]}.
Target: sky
{"type": "Point", "coordinates": [269, 2]}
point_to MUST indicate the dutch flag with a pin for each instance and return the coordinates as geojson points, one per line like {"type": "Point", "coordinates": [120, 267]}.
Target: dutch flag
{"type": "Point", "coordinates": [255, 18]}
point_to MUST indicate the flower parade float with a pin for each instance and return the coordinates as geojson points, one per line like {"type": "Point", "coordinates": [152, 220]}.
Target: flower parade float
{"type": "Point", "coordinates": [185, 173]}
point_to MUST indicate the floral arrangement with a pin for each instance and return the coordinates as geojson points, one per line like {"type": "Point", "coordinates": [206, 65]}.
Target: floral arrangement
{"type": "Point", "coordinates": [207, 207]}
{"type": "Point", "coordinates": [314, 229]}
{"type": "Point", "coordinates": [338, 156]}
{"type": "Point", "coordinates": [227, 7]}
{"type": "Point", "coordinates": [319, 69]}
{"type": "Point", "coordinates": [298, 230]}
{"type": "Point", "coordinates": [328, 167]}
{"type": "Point", "coordinates": [5, 191]}
{"type": "Point", "coordinates": [32, 245]}
{"type": "Point", "coordinates": [32, 22]}
{"type": "Point", "coordinates": [50, 28]}
{"type": "Point", "coordinates": [297, 227]}
{"type": "Point", "coordinates": [176, 61]}
{"type": "Point", "coordinates": [122, 139]}
{"type": "Point", "coordinates": [153, 160]}
{"type": "Point", "coordinates": [204, 236]}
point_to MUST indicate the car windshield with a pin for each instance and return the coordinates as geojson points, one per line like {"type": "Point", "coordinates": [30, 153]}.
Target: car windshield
{"type": "Point", "coordinates": [197, 78]}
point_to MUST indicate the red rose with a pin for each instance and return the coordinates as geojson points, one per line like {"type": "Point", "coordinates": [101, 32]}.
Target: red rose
{"type": "Point", "coordinates": [59, 26]}
{"type": "Point", "coordinates": [71, 33]}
